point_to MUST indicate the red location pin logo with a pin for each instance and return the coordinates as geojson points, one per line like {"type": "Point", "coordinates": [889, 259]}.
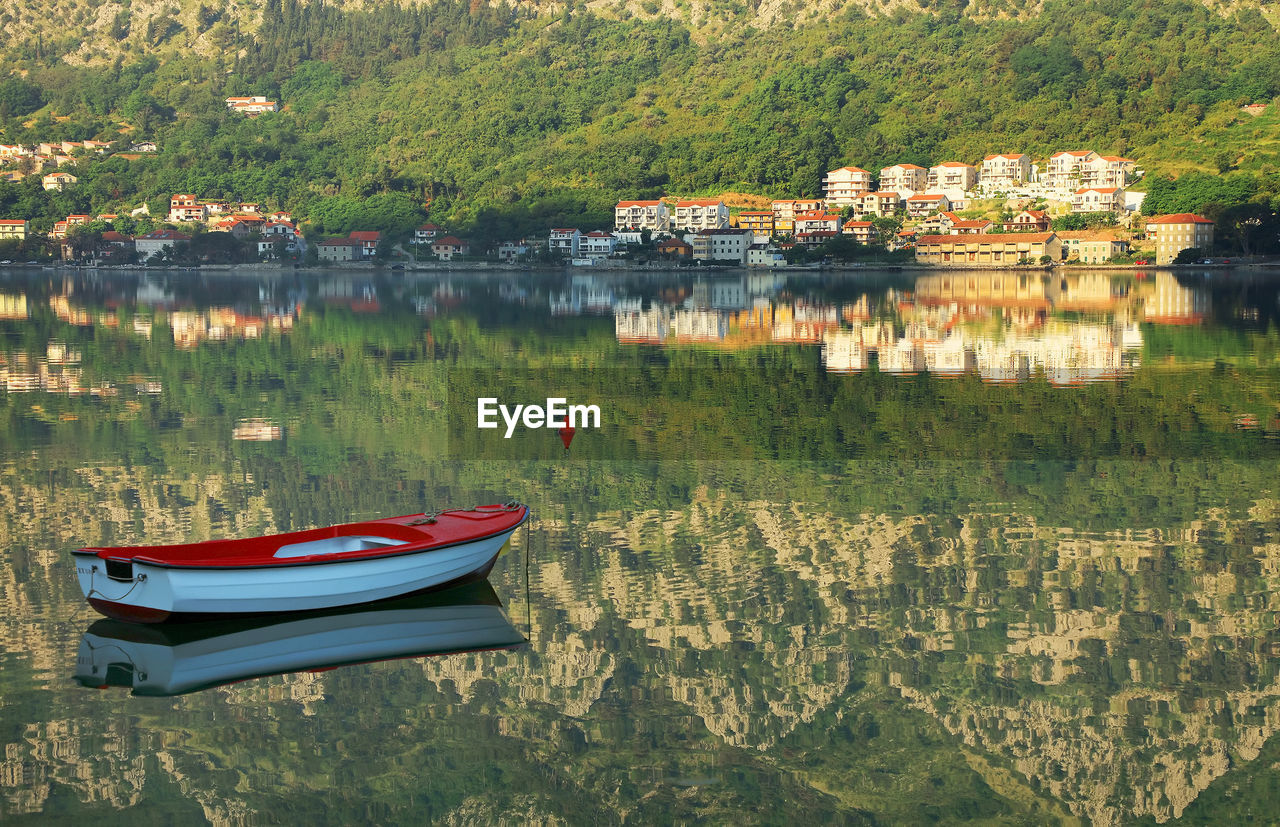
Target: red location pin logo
{"type": "Point", "coordinates": [566, 435]}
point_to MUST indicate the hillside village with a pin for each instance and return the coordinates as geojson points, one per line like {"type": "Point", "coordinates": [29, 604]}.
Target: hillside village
{"type": "Point", "coordinates": [1003, 211]}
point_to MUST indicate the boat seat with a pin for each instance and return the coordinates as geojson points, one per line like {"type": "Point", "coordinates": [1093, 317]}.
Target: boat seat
{"type": "Point", "coordinates": [335, 545]}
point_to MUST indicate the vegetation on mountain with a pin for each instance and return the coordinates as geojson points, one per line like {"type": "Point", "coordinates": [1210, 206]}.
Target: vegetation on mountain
{"type": "Point", "coordinates": [477, 113]}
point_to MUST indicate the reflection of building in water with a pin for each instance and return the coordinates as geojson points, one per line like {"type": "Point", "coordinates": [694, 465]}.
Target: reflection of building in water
{"type": "Point", "coordinates": [13, 307]}
{"type": "Point", "coordinates": [642, 327]}
{"type": "Point", "coordinates": [63, 309]}
{"type": "Point", "coordinates": [843, 352]}
{"type": "Point", "coordinates": [903, 357]}
{"type": "Point", "coordinates": [949, 356]}
{"type": "Point", "coordinates": [256, 430]}
{"type": "Point", "coordinates": [699, 325]}
{"type": "Point", "coordinates": [1083, 291]}
{"type": "Point", "coordinates": [1065, 353]}
{"type": "Point", "coordinates": [218, 324]}
{"type": "Point", "coordinates": [804, 323]}
{"type": "Point", "coordinates": [1165, 301]}
{"type": "Point", "coordinates": [586, 294]}
{"type": "Point", "coordinates": [974, 289]}
{"type": "Point", "coordinates": [721, 294]}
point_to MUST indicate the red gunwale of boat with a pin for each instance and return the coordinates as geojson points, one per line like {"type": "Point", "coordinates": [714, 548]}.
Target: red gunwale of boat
{"type": "Point", "coordinates": [447, 528]}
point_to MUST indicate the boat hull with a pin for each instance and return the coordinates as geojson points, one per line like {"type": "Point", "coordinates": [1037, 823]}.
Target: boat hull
{"type": "Point", "coordinates": [158, 593]}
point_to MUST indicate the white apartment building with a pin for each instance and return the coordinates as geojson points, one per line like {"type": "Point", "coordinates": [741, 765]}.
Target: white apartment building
{"type": "Point", "coordinates": [842, 187]}
{"type": "Point", "coordinates": [1106, 171]}
{"type": "Point", "coordinates": [904, 179]}
{"type": "Point", "coordinates": [1098, 199]}
{"type": "Point", "coordinates": [597, 244]}
{"type": "Point", "coordinates": [817, 222]}
{"type": "Point", "coordinates": [701, 214]}
{"type": "Point", "coordinates": [953, 178]}
{"type": "Point", "coordinates": [642, 215]}
{"type": "Point", "coordinates": [1065, 169]}
{"type": "Point", "coordinates": [565, 241]}
{"type": "Point", "coordinates": [1005, 171]}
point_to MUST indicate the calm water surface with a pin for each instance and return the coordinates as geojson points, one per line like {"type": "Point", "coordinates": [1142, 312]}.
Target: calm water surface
{"type": "Point", "coordinates": [878, 549]}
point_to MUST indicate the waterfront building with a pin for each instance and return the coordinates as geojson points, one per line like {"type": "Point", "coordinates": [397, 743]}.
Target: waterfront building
{"type": "Point", "coordinates": [863, 232]}
{"type": "Point", "coordinates": [448, 247]}
{"type": "Point", "coordinates": [999, 248]}
{"type": "Point", "coordinates": [565, 241]}
{"type": "Point", "coordinates": [338, 249]}
{"type": "Point", "coordinates": [1174, 233]}
{"type": "Point", "coordinates": [158, 241]}
{"type": "Point", "coordinates": [1091, 246]}
{"type": "Point", "coordinates": [723, 244]}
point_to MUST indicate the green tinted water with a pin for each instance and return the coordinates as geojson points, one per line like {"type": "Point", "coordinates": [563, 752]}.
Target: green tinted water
{"type": "Point", "coordinates": [877, 549]}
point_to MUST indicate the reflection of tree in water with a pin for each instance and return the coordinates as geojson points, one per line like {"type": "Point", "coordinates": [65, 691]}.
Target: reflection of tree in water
{"type": "Point", "coordinates": [1092, 638]}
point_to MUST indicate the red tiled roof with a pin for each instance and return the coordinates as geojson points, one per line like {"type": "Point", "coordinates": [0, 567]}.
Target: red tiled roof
{"type": "Point", "coordinates": [1078, 153]}
{"type": "Point", "coordinates": [954, 164]}
{"type": "Point", "coordinates": [1179, 218]}
{"type": "Point", "coordinates": [700, 202]}
{"type": "Point", "coordinates": [849, 169]}
{"type": "Point", "coordinates": [976, 222]}
{"type": "Point", "coordinates": [927, 197]}
{"type": "Point", "coordinates": [903, 166]}
{"type": "Point", "coordinates": [984, 238]}
{"type": "Point", "coordinates": [1104, 190]}
{"type": "Point", "coordinates": [1010, 155]}
{"type": "Point", "coordinates": [849, 224]}
{"type": "Point", "coordinates": [448, 241]}
{"type": "Point", "coordinates": [885, 195]}
{"type": "Point", "coordinates": [622, 204]}
{"type": "Point", "coordinates": [365, 235]}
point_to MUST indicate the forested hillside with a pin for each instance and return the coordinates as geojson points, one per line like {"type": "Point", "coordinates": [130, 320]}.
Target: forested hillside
{"type": "Point", "coordinates": [524, 118]}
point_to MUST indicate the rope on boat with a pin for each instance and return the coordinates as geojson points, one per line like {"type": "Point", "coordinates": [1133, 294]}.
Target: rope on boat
{"type": "Point", "coordinates": [432, 517]}
{"type": "Point", "coordinates": [140, 578]}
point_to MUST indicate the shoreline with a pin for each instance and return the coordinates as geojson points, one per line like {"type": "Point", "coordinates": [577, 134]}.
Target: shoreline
{"type": "Point", "coordinates": [473, 266]}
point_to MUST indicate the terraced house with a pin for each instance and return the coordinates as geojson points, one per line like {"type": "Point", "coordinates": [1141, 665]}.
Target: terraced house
{"type": "Point", "coordinates": [905, 179]}
{"type": "Point", "coordinates": [1000, 249]}
{"type": "Point", "coordinates": [642, 215]}
{"type": "Point", "coordinates": [701, 214]}
{"type": "Point", "coordinates": [1005, 171]}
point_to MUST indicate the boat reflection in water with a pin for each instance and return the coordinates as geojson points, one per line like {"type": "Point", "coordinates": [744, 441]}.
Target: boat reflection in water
{"type": "Point", "coordinates": [175, 658]}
